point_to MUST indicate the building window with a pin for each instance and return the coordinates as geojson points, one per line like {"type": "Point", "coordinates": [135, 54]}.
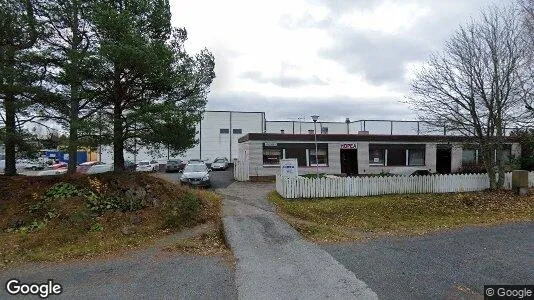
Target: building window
{"type": "Point", "coordinates": [416, 157]}
{"type": "Point", "coordinates": [237, 131]}
{"type": "Point", "coordinates": [469, 157]}
{"type": "Point", "coordinates": [324, 130]}
{"type": "Point", "coordinates": [271, 156]}
{"type": "Point", "coordinates": [396, 156]}
{"type": "Point", "coordinates": [322, 157]}
{"type": "Point", "coordinates": [377, 155]}
{"type": "Point", "coordinates": [296, 152]}
{"type": "Point", "coordinates": [224, 130]}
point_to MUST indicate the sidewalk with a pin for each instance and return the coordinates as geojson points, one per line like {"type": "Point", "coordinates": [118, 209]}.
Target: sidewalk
{"type": "Point", "coordinates": [273, 261]}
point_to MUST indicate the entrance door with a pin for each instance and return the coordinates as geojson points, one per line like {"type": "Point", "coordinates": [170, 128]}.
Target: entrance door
{"type": "Point", "coordinates": [443, 160]}
{"type": "Point", "coordinates": [349, 161]}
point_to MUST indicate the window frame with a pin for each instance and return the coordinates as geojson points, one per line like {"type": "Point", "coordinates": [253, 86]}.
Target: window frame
{"type": "Point", "coordinates": [224, 131]}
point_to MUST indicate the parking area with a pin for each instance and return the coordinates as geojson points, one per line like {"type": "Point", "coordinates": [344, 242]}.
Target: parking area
{"type": "Point", "coordinates": [219, 179]}
{"type": "Point", "coordinates": [453, 264]}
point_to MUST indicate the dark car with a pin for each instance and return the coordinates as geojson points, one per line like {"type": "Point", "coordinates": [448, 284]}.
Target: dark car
{"type": "Point", "coordinates": [174, 165]}
{"type": "Point", "coordinates": [129, 166]}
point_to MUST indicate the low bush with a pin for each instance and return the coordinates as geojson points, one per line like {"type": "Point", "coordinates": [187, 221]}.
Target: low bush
{"type": "Point", "coordinates": [183, 212]}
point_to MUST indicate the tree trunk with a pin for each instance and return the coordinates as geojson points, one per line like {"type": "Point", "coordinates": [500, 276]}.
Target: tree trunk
{"type": "Point", "coordinates": [74, 90]}
{"type": "Point", "coordinates": [488, 163]}
{"type": "Point", "coordinates": [73, 131]}
{"type": "Point", "coordinates": [11, 135]}
{"type": "Point", "coordinates": [118, 140]}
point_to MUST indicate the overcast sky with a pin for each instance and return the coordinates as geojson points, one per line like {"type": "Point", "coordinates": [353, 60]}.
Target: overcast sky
{"type": "Point", "coordinates": [337, 59]}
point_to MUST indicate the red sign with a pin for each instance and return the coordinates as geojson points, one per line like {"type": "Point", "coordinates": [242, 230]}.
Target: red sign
{"type": "Point", "coordinates": [348, 146]}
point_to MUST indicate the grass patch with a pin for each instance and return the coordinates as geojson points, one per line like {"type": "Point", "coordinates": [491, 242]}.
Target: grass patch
{"type": "Point", "coordinates": [348, 218]}
{"type": "Point", "coordinates": [65, 217]}
{"type": "Point", "coordinates": [208, 243]}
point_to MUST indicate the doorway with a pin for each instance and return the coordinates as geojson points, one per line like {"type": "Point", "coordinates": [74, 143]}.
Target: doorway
{"type": "Point", "coordinates": [349, 161]}
{"type": "Point", "coordinates": [443, 159]}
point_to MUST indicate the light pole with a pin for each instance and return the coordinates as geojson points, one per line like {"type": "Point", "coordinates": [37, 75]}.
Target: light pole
{"type": "Point", "coordinates": [315, 118]}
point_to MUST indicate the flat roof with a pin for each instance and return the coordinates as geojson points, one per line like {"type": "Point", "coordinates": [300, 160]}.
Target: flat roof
{"type": "Point", "coordinates": [359, 138]}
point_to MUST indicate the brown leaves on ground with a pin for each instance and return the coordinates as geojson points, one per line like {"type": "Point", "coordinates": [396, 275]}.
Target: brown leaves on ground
{"type": "Point", "coordinates": [74, 231]}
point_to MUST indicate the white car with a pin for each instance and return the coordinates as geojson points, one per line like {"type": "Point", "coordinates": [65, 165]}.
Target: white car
{"type": "Point", "coordinates": [97, 169]}
{"type": "Point", "coordinates": [52, 172]}
{"type": "Point", "coordinates": [147, 166]}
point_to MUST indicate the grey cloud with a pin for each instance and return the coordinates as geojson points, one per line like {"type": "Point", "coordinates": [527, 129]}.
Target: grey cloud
{"type": "Point", "coordinates": [283, 80]}
{"type": "Point", "coordinates": [335, 108]}
{"type": "Point", "coordinates": [379, 57]}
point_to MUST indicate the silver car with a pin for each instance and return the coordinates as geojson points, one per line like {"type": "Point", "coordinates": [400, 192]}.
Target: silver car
{"type": "Point", "coordinates": [196, 174]}
{"type": "Point", "coordinates": [220, 163]}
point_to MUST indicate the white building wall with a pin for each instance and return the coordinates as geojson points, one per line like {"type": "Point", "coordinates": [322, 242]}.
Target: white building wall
{"type": "Point", "coordinates": [248, 123]}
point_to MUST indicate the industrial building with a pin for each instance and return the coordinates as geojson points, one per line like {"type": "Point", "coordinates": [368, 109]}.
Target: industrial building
{"type": "Point", "coordinates": [219, 132]}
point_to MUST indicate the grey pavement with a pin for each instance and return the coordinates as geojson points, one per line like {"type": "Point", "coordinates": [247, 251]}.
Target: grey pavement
{"type": "Point", "coordinates": [447, 265]}
{"type": "Point", "coordinates": [141, 276]}
{"type": "Point", "coordinates": [273, 260]}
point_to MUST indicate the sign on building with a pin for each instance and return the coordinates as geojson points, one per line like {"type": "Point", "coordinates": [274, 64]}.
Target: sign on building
{"type": "Point", "coordinates": [348, 146]}
{"type": "Point", "coordinates": [289, 167]}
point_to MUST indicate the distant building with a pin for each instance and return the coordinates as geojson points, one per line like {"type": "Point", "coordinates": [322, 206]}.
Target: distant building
{"type": "Point", "coordinates": [219, 131]}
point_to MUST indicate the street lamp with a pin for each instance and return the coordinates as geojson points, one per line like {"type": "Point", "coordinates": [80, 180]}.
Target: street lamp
{"type": "Point", "coordinates": [315, 118]}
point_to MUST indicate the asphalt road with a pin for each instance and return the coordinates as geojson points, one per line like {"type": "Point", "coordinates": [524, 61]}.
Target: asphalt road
{"type": "Point", "coordinates": [219, 179]}
{"type": "Point", "coordinates": [273, 260]}
{"type": "Point", "coordinates": [161, 276]}
{"type": "Point", "coordinates": [449, 265]}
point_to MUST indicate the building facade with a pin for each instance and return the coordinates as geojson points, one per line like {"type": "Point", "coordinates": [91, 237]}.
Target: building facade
{"type": "Point", "coordinates": [219, 131]}
{"type": "Point", "coordinates": [364, 153]}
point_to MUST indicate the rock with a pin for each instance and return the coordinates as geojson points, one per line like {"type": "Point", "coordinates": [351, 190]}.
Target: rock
{"type": "Point", "coordinates": [135, 220]}
{"type": "Point", "coordinates": [15, 223]}
{"type": "Point", "coordinates": [129, 229]}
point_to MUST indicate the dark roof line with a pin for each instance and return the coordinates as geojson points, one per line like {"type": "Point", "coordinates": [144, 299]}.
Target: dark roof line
{"type": "Point", "coordinates": [359, 138]}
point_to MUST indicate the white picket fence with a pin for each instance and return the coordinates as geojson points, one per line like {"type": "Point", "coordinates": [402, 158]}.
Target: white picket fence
{"type": "Point", "coordinates": [300, 187]}
{"type": "Point", "coordinates": [241, 171]}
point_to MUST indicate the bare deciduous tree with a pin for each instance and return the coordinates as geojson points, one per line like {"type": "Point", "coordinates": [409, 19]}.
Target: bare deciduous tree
{"type": "Point", "coordinates": [473, 86]}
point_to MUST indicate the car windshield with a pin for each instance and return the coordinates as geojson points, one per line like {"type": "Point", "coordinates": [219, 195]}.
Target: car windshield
{"type": "Point", "coordinates": [173, 162]}
{"type": "Point", "coordinates": [144, 163]}
{"type": "Point", "coordinates": [195, 168]}
{"type": "Point", "coordinates": [220, 160]}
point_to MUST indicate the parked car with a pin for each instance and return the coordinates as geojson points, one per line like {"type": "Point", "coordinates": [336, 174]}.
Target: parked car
{"type": "Point", "coordinates": [220, 163]}
{"type": "Point", "coordinates": [174, 165]}
{"type": "Point", "coordinates": [195, 161]}
{"type": "Point", "coordinates": [129, 165]}
{"type": "Point", "coordinates": [52, 172]}
{"type": "Point", "coordinates": [196, 174]}
{"type": "Point", "coordinates": [83, 167]}
{"type": "Point", "coordinates": [147, 166]}
{"type": "Point", "coordinates": [61, 165]}
{"type": "Point", "coordinates": [33, 165]}
{"type": "Point", "coordinates": [97, 169]}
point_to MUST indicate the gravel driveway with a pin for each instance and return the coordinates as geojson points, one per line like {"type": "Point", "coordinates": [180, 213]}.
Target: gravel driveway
{"type": "Point", "coordinates": [447, 265]}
